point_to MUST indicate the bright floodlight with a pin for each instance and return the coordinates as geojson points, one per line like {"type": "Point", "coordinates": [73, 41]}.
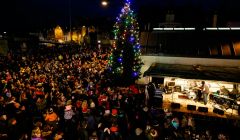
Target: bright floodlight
{"type": "Point", "coordinates": [104, 3]}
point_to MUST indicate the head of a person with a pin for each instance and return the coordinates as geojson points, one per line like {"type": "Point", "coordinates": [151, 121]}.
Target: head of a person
{"type": "Point", "coordinates": [50, 110]}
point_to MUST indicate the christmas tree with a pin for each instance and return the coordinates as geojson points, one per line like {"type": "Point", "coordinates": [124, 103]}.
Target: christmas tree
{"type": "Point", "coordinates": [125, 62]}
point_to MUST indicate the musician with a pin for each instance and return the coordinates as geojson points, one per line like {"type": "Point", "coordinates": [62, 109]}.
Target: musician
{"type": "Point", "coordinates": [205, 91]}
{"type": "Point", "coordinates": [195, 87]}
{"type": "Point", "coordinates": [224, 91]}
{"type": "Point", "coordinates": [235, 89]}
{"type": "Point", "coordinates": [234, 93]}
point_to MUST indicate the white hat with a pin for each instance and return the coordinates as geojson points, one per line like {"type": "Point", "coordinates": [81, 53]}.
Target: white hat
{"type": "Point", "coordinates": [50, 110]}
{"type": "Point", "coordinates": [92, 105]}
{"type": "Point", "coordinates": [107, 112]}
{"type": "Point", "coordinates": [145, 109]}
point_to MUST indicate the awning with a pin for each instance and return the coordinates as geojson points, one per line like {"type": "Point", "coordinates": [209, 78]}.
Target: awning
{"type": "Point", "coordinates": [228, 74]}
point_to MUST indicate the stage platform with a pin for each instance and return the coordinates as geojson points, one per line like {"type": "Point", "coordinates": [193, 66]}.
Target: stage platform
{"type": "Point", "coordinates": [190, 106]}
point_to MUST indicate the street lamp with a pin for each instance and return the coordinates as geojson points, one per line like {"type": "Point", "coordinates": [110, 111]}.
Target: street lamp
{"type": "Point", "coordinates": [70, 18]}
{"type": "Point", "coordinates": [104, 3]}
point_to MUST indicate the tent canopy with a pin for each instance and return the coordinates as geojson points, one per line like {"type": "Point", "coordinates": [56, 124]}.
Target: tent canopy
{"type": "Point", "coordinates": [228, 74]}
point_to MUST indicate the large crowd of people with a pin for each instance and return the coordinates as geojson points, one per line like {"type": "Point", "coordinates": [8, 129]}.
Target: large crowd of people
{"type": "Point", "coordinates": [66, 95]}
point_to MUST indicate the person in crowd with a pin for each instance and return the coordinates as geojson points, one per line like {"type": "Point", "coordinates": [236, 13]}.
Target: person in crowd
{"type": "Point", "coordinates": [51, 118]}
{"type": "Point", "coordinates": [93, 136]}
{"type": "Point", "coordinates": [65, 94]}
{"type": "Point", "coordinates": [82, 131]}
{"type": "Point", "coordinates": [69, 121]}
{"type": "Point", "coordinates": [138, 135]}
{"type": "Point", "coordinates": [152, 134]}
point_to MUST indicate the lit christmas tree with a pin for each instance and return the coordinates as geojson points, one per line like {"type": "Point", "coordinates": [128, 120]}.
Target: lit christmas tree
{"type": "Point", "coordinates": [125, 62]}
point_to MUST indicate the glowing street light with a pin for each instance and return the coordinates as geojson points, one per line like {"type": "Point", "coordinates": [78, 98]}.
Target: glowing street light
{"type": "Point", "coordinates": [104, 3]}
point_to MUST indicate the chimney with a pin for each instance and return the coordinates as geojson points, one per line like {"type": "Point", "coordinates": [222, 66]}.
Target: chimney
{"type": "Point", "coordinates": [170, 17]}
{"type": "Point", "coordinates": [149, 27]}
{"type": "Point", "coordinates": [214, 23]}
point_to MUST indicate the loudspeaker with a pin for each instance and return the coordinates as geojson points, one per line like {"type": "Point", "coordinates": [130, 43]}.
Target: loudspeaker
{"type": "Point", "coordinates": [218, 111]}
{"type": "Point", "coordinates": [203, 109]}
{"type": "Point", "coordinates": [175, 105]}
{"type": "Point", "coordinates": [157, 102]}
{"type": "Point", "coordinates": [191, 107]}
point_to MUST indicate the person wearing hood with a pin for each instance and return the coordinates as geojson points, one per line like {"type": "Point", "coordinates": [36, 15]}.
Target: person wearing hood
{"type": "Point", "coordinates": [51, 118]}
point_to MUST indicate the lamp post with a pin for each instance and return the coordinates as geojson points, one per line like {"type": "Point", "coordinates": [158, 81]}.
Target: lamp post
{"type": "Point", "coordinates": [70, 19]}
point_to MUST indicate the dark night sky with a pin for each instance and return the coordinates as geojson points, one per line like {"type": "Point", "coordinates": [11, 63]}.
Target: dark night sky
{"type": "Point", "coordinates": [39, 14]}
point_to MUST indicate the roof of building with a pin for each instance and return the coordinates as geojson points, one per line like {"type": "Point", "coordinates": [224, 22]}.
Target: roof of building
{"type": "Point", "coordinates": [228, 74]}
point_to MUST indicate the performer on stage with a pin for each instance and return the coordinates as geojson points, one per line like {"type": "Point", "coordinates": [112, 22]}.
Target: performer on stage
{"type": "Point", "coordinates": [197, 90]}
{"type": "Point", "coordinates": [205, 92]}
{"type": "Point", "coordinates": [224, 91]}
{"type": "Point", "coordinates": [234, 93]}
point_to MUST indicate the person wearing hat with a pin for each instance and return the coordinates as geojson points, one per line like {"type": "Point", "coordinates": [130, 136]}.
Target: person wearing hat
{"type": "Point", "coordinates": [114, 112]}
{"type": "Point", "coordinates": [51, 117]}
{"type": "Point", "coordinates": [68, 112]}
{"type": "Point", "coordinates": [114, 116]}
{"type": "Point", "coordinates": [69, 121]}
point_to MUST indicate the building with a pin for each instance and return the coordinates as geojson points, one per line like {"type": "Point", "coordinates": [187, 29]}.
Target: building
{"type": "Point", "coordinates": [175, 56]}
{"type": "Point", "coordinates": [192, 42]}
